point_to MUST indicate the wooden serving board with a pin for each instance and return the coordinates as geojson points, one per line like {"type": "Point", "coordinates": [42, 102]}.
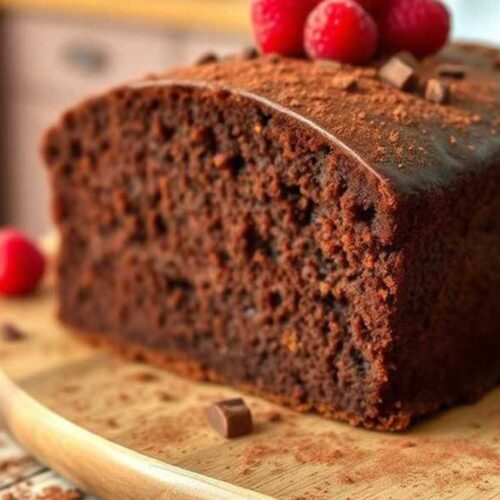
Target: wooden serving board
{"type": "Point", "coordinates": [125, 430]}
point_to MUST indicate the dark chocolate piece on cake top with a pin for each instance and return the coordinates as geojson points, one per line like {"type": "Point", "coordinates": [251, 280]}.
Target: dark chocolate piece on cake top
{"type": "Point", "coordinates": [408, 58]}
{"type": "Point", "coordinates": [207, 58]}
{"type": "Point", "coordinates": [326, 63]}
{"type": "Point", "coordinates": [399, 73]}
{"type": "Point", "coordinates": [347, 83]}
{"type": "Point", "coordinates": [437, 91]}
{"type": "Point", "coordinates": [457, 71]}
{"type": "Point", "coordinates": [249, 53]}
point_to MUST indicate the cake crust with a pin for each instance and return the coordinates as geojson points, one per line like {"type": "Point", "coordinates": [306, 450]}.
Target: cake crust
{"type": "Point", "coordinates": [175, 362]}
{"type": "Point", "coordinates": [407, 141]}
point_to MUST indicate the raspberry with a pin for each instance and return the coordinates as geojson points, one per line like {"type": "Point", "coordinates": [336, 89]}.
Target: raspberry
{"type": "Point", "coordinates": [278, 25]}
{"type": "Point", "coordinates": [21, 263]}
{"type": "Point", "coordinates": [372, 6]}
{"type": "Point", "coordinates": [417, 26]}
{"type": "Point", "coordinates": [341, 30]}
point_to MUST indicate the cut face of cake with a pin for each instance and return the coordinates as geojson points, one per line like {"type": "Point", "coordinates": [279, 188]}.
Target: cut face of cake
{"type": "Point", "coordinates": [330, 246]}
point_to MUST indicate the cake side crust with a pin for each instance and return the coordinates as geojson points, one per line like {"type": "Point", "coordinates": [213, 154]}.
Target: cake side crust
{"type": "Point", "coordinates": [177, 363]}
{"type": "Point", "coordinates": [416, 145]}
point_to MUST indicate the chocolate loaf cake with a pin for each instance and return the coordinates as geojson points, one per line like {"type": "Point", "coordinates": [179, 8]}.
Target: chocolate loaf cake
{"type": "Point", "coordinates": [299, 229]}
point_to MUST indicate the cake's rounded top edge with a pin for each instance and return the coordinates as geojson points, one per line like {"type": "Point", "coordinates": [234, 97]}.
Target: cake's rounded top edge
{"type": "Point", "coordinates": [242, 93]}
{"type": "Point", "coordinates": [400, 136]}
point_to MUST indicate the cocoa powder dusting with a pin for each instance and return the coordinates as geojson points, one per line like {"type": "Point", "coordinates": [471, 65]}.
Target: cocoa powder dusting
{"type": "Point", "coordinates": [274, 417]}
{"type": "Point", "coordinates": [284, 80]}
{"type": "Point", "coordinates": [164, 396]}
{"type": "Point", "coordinates": [401, 460]}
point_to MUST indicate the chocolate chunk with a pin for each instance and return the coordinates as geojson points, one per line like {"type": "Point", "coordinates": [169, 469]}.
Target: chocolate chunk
{"type": "Point", "coordinates": [207, 58]}
{"type": "Point", "coordinates": [347, 83]}
{"type": "Point", "coordinates": [496, 63]}
{"type": "Point", "coordinates": [230, 418]}
{"type": "Point", "coordinates": [456, 71]}
{"type": "Point", "coordinates": [250, 53]}
{"type": "Point", "coordinates": [408, 58]}
{"type": "Point", "coordinates": [437, 91]}
{"type": "Point", "coordinates": [274, 58]}
{"type": "Point", "coordinates": [398, 73]}
{"type": "Point", "coordinates": [326, 63]}
{"type": "Point", "coordinates": [11, 333]}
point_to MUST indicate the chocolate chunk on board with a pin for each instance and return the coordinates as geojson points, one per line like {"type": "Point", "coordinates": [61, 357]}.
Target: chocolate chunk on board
{"type": "Point", "coordinates": [230, 418]}
{"type": "Point", "coordinates": [11, 333]}
{"type": "Point", "coordinates": [398, 73]}
{"type": "Point", "coordinates": [437, 91]}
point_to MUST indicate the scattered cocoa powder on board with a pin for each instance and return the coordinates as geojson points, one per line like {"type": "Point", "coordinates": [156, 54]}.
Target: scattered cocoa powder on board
{"type": "Point", "coordinates": [143, 377]}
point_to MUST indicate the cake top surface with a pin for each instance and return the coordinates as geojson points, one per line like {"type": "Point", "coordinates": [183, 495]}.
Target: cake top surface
{"type": "Point", "coordinates": [403, 138]}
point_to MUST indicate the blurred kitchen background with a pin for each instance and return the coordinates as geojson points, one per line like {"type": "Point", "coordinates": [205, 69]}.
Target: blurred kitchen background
{"type": "Point", "coordinates": [54, 52]}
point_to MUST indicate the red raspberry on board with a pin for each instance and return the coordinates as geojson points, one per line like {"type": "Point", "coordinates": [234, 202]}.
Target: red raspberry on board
{"type": "Point", "coordinates": [21, 263]}
{"type": "Point", "coordinates": [341, 30]}
{"type": "Point", "coordinates": [417, 26]}
{"type": "Point", "coordinates": [278, 25]}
